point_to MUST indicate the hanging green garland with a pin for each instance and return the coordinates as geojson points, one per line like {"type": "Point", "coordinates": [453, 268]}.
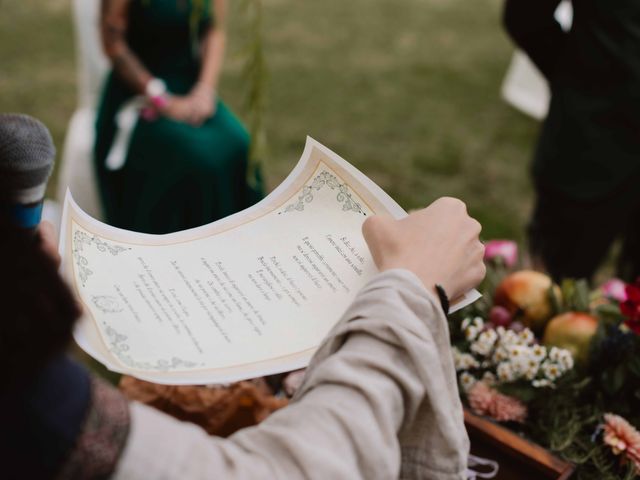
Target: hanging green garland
{"type": "Point", "coordinates": [198, 11]}
{"type": "Point", "coordinates": [255, 75]}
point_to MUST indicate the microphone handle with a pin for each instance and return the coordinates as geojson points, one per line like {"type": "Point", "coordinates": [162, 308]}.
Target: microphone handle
{"type": "Point", "coordinates": [26, 216]}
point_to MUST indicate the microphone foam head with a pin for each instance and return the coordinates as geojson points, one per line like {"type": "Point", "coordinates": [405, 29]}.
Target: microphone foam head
{"type": "Point", "coordinates": [26, 155]}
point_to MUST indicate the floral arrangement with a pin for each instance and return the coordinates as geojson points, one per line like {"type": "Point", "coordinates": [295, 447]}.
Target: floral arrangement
{"type": "Point", "coordinates": [501, 356]}
{"type": "Point", "coordinates": [623, 439]}
{"type": "Point", "coordinates": [559, 364]}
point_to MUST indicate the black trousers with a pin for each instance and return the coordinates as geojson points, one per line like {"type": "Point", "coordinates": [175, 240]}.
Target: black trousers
{"type": "Point", "coordinates": [572, 238]}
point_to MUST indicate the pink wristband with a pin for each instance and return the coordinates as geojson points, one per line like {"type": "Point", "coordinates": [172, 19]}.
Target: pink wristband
{"type": "Point", "coordinates": [160, 101]}
{"type": "Point", "coordinates": [156, 92]}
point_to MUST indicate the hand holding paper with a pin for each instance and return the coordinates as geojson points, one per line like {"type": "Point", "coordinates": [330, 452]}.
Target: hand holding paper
{"type": "Point", "coordinates": [445, 230]}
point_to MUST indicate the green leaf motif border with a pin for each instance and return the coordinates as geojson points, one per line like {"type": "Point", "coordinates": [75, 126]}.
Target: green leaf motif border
{"type": "Point", "coordinates": [325, 178]}
{"type": "Point", "coordinates": [119, 346]}
{"type": "Point", "coordinates": [82, 240]}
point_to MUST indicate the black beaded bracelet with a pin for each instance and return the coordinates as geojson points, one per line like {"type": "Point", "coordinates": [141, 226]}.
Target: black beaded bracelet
{"type": "Point", "coordinates": [444, 299]}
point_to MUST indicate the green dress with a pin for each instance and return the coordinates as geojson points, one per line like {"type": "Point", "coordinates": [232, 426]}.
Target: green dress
{"type": "Point", "coordinates": [175, 175]}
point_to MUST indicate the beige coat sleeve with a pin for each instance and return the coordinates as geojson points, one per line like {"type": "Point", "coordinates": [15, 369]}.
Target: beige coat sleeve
{"type": "Point", "coordinates": [379, 401]}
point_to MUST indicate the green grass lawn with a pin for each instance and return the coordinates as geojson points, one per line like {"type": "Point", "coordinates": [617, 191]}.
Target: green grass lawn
{"type": "Point", "coordinates": [408, 91]}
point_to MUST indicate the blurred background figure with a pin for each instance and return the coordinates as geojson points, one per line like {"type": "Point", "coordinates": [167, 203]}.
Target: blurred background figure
{"type": "Point", "coordinates": [587, 161]}
{"type": "Point", "coordinates": [524, 87]}
{"type": "Point", "coordinates": [184, 163]}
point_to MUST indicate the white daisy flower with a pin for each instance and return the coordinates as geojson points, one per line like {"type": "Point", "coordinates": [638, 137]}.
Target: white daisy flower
{"type": "Point", "coordinates": [500, 355]}
{"type": "Point", "coordinates": [467, 381]}
{"type": "Point", "coordinates": [551, 370]}
{"type": "Point", "coordinates": [542, 383]}
{"type": "Point", "coordinates": [532, 368]}
{"type": "Point", "coordinates": [527, 336]}
{"type": "Point", "coordinates": [505, 372]}
{"type": "Point", "coordinates": [467, 361]}
{"type": "Point", "coordinates": [509, 338]}
{"type": "Point", "coordinates": [554, 354]}
{"type": "Point", "coordinates": [518, 352]}
{"type": "Point", "coordinates": [472, 322]}
{"type": "Point", "coordinates": [466, 323]}
{"type": "Point", "coordinates": [471, 332]}
{"type": "Point", "coordinates": [539, 352]}
{"type": "Point", "coordinates": [520, 365]}
{"type": "Point", "coordinates": [565, 359]}
{"type": "Point", "coordinates": [463, 361]}
{"type": "Point", "coordinates": [484, 343]}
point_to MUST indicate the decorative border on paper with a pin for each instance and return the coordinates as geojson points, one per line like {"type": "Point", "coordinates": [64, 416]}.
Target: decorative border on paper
{"type": "Point", "coordinates": [312, 165]}
{"type": "Point", "coordinates": [323, 178]}
{"type": "Point", "coordinates": [119, 346]}
{"type": "Point", "coordinates": [82, 239]}
{"type": "Point", "coordinates": [106, 303]}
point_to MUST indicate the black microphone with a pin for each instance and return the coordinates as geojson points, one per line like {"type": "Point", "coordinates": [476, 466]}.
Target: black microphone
{"type": "Point", "coordinates": [26, 161]}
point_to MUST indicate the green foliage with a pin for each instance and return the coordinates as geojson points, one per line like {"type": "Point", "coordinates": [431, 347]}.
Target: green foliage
{"type": "Point", "coordinates": [555, 300]}
{"type": "Point", "coordinates": [608, 313]}
{"type": "Point", "coordinates": [567, 422]}
{"type": "Point", "coordinates": [634, 365]}
{"type": "Point", "coordinates": [521, 390]}
{"type": "Point", "coordinates": [615, 366]}
{"type": "Point", "coordinates": [496, 271]}
{"type": "Point", "coordinates": [575, 296]}
{"type": "Point", "coordinates": [557, 419]}
{"type": "Point", "coordinates": [255, 76]}
{"type": "Point", "coordinates": [198, 11]}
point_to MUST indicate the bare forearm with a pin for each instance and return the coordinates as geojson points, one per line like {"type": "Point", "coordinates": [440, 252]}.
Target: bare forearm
{"type": "Point", "coordinates": [214, 45]}
{"type": "Point", "coordinates": [131, 70]}
{"type": "Point", "coordinates": [113, 28]}
{"type": "Point", "coordinates": [213, 48]}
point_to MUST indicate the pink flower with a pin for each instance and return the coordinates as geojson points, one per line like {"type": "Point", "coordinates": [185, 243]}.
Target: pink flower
{"type": "Point", "coordinates": [623, 439]}
{"type": "Point", "coordinates": [505, 249]}
{"type": "Point", "coordinates": [484, 400]}
{"type": "Point", "coordinates": [615, 290]}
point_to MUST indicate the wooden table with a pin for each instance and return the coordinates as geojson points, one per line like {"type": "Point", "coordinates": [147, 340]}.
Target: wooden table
{"type": "Point", "coordinates": [519, 459]}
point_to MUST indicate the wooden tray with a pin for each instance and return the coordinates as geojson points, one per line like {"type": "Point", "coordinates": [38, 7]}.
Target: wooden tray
{"type": "Point", "coordinates": [519, 459]}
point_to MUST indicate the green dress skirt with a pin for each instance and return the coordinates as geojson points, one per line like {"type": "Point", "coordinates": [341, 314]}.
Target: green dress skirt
{"type": "Point", "coordinates": [175, 175]}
